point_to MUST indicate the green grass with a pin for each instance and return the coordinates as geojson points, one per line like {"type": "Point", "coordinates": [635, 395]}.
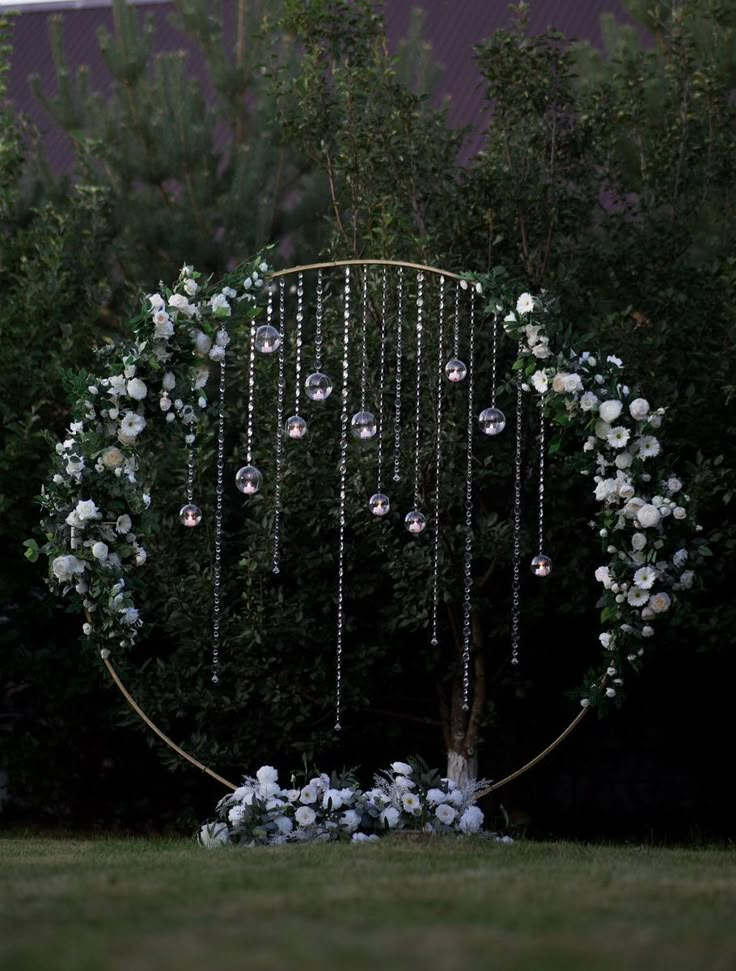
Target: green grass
{"type": "Point", "coordinates": [155, 905]}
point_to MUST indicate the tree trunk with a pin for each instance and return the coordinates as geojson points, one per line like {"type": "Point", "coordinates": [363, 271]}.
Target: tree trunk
{"type": "Point", "coordinates": [461, 767]}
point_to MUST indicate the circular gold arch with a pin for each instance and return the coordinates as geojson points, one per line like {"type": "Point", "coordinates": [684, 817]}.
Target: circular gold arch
{"type": "Point", "coordinates": [420, 267]}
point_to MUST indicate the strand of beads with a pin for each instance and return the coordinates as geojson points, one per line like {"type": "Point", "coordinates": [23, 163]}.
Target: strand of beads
{"type": "Point", "coordinates": [399, 360]}
{"type": "Point", "coordinates": [455, 369]}
{"type": "Point", "coordinates": [415, 521]}
{"type": "Point", "coordinates": [248, 479]}
{"type": "Point", "coordinates": [217, 566]}
{"type": "Point", "coordinates": [438, 466]}
{"type": "Point", "coordinates": [492, 420]}
{"type": "Point", "coordinates": [541, 564]}
{"type": "Point", "coordinates": [190, 514]}
{"type": "Point", "coordinates": [276, 558]}
{"type": "Point", "coordinates": [468, 552]}
{"type": "Point", "coordinates": [296, 426]}
{"type": "Point", "coordinates": [318, 387]}
{"type": "Point", "coordinates": [379, 503]}
{"type": "Point", "coordinates": [516, 555]}
{"type": "Point", "coordinates": [343, 469]}
{"type": "Point", "coordinates": [363, 424]}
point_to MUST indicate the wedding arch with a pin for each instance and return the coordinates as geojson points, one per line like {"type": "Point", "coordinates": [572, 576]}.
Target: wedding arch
{"type": "Point", "coordinates": [169, 374]}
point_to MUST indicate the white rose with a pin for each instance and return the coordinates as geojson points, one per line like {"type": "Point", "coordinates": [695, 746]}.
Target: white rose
{"type": "Point", "coordinates": [659, 602]}
{"type": "Point", "coordinates": [435, 796]}
{"type": "Point", "coordinates": [389, 817]}
{"type": "Point", "coordinates": [445, 813]}
{"type": "Point", "coordinates": [66, 567]}
{"type": "Point", "coordinates": [202, 342]}
{"type": "Point", "coordinates": [86, 510]}
{"type": "Point", "coordinates": [267, 774]}
{"type": "Point", "coordinates": [401, 768]}
{"type": "Point", "coordinates": [673, 485]}
{"type": "Point", "coordinates": [589, 401]}
{"type": "Point", "coordinates": [603, 575]}
{"type": "Point", "coordinates": [648, 515]}
{"type": "Point", "coordinates": [190, 287]}
{"type": "Point", "coordinates": [350, 820]}
{"type": "Point", "coordinates": [679, 513]}
{"type": "Point", "coordinates": [100, 551]}
{"type": "Point", "coordinates": [471, 820]}
{"type": "Point", "coordinates": [573, 383]}
{"type": "Point", "coordinates": [602, 428]}
{"type": "Point", "coordinates": [610, 410]}
{"type": "Point", "coordinates": [169, 381]}
{"type": "Point", "coordinates": [623, 460]}
{"type": "Point", "coordinates": [639, 409]}
{"type": "Point", "coordinates": [638, 541]}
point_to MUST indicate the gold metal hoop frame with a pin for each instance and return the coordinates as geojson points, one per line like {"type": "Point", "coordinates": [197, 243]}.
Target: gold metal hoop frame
{"type": "Point", "coordinates": [210, 772]}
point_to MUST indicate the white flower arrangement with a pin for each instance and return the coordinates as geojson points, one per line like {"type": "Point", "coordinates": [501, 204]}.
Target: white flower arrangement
{"type": "Point", "coordinates": [95, 504]}
{"type": "Point", "coordinates": [648, 534]}
{"type": "Point", "coordinates": [405, 797]}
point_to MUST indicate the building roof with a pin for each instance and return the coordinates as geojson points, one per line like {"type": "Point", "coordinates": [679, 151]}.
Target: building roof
{"type": "Point", "coordinates": [452, 27]}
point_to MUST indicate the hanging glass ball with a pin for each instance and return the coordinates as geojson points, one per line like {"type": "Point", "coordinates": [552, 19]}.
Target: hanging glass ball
{"type": "Point", "coordinates": [379, 504]}
{"type": "Point", "coordinates": [190, 515]}
{"type": "Point", "coordinates": [363, 425]}
{"type": "Point", "coordinates": [268, 339]}
{"type": "Point", "coordinates": [318, 387]}
{"type": "Point", "coordinates": [296, 427]}
{"type": "Point", "coordinates": [415, 522]}
{"type": "Point", "coordinates": [541, 565]}
{"type": "Point", "coordinates": [455, 370]}
{"type": "Point", "coordinates": [492, 421]}
{"type": "Point", "coordinates": [248, 480]}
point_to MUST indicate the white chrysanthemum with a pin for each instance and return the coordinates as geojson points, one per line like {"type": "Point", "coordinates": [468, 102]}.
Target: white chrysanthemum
{"type": "Point", "coordinates": [305, 816]}
{"type": "Point", "coordinates": [123, 524]}
{"type": "Point", "coordinates": [639, 409]}
{"type": "Point", "coordinates": [603, 575]}
{"type": "Point", "coordinates": [525, 304]}
{"type": "Point", "coordinates": [471, 820]}
{"type": "Point", "coordinates": [540, 382]}
{"type": "Point", "coordinates": [411, 802]}
{"type": "Point", "coordinates": [435, 796]}
{"type": "Point", "coordinates": [659, 602]}
{"type": "Point", "coordinates": [610, 410]}
{"type": "Point", "coordinates": [589, 401]}
{"type": "Point", "coordinates": [65, 568]}
{"type": "Point", "coordinates": [648, 447]}
{"type": "Point", "coordinates": [637, 597]}
{"type": "Point", "coordinates": [389, 817]}
{"type": "Point", "coordinates": [645, 577]}
{"type": "Point", "coordinates": [267, 774]}
{"type": "Point", "coordinates": [131, 425]}
{"type": "Point", "coordinates": [308, 794]}
{"type": "Point", "coordinates": [445, 813]}
{"type": "Point", "coordinates": [648, 515]}
{"type": "Point", "coordinates": [618, 436]}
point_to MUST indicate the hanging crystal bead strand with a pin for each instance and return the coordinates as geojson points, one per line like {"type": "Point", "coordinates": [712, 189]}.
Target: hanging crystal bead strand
{"type": "Point", "coordinates": [379, 503]}
{"type": "Point", "coordinates": [190, 514]}
{"type": "Point", "coordinates": [399, 360]}
{"type": "Point", "coordinates": [492, 420]}
{"type": "Point", "coordinates": [415, 521]}
{"type": "Point", "coordinates": [296, 426]}
{"type": "Point", "coordinates": [217, 567]}
{"type": "Point", "coordinates": [343, 469]}
{"type": "Point", "coordinates": [276, 559]}
{"type": "Point", "coordinates": [516, 557]}
{"type": "Point", "coordinates": [468, 552]}
{"type": "Point", "coordinates": [318, 387]}
{"type": "Point", "coordinates": [248, 479]}
{"type": "Point", "coordinates": [541, 564]}
{"type": "Point", "coordinates": [437, 465]}
{"type": "Point", "coordinates": [455, 369]}
{"type": "Point", "coordinates": [363, 424]}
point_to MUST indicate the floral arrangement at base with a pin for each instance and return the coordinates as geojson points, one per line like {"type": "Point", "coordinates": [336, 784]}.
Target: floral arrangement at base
{"type": "Point", "coordinates": [406, 797]}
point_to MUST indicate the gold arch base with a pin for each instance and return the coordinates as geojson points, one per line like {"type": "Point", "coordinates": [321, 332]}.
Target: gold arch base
{"type": "Point", "coordinates": [231, 785]}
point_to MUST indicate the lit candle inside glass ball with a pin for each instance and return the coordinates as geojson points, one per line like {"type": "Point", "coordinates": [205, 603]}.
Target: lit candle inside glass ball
{"type": "Point", "coordinates": [455, 370]}
{"type": "Point", "coordinates": [363, 425]}
{"type": "Point", "coordinates": [541, 565]}
{"type": "Point", "coordinates": [268, 339]}
{"type": "Point", "coordinates": [415, 522]}
{"type": "Point", "coordinates": [379, 504]}
{"type": "Point", "coordinates": [296, 427]}
{"type": "Point", "coordinates": [492, 421]}
{"type": "Point", "coordinates": [248, 480]}
{"type": "Point", "coordinates": [190, 515]}
{"type": "Point", "coordinates": [318, 386]}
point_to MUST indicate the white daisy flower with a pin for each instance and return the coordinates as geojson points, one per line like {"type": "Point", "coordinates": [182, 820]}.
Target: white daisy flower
{"type": "Point", "coordinates": [131, 425]}
{"type": "Point", "coordinates": [618, 436]}
{"type": "Point", "coordinates": [648, 447]}
{"type": "Point", "coordinates": [645, 577]}
{"type": "Point", "coordinates": [525, 304]}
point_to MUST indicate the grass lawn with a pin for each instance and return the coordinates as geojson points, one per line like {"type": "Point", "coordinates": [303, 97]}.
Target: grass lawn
{"type": "Point", "coordinates": [155, 905]}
